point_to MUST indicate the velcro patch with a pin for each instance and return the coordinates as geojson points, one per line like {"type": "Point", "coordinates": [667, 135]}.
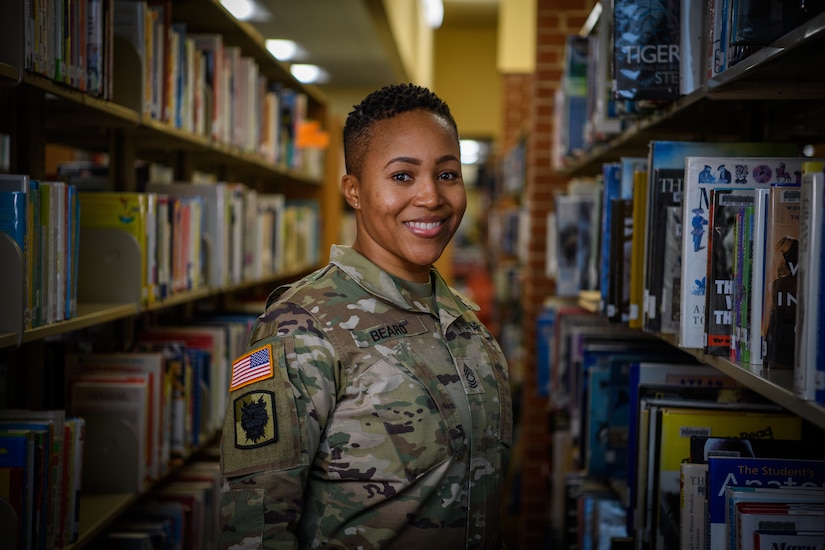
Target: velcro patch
{"type": "Point", "coordinates": [252, 367]}
{"type": "Point", "coordinates": [255, 421]}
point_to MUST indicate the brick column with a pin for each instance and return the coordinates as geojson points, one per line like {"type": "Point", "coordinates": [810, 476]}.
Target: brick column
{"type": "Point", "coordinates": [533, 116]}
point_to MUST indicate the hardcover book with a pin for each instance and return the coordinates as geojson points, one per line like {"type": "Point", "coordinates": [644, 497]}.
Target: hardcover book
{"type": "Point", "coordinates": [646, 49]}
{"type": "Point", "coordinates": [701, 175]}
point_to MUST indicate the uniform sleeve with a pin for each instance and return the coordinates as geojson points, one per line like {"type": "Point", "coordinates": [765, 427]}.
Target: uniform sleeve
{"type": "Point", "coordinates": [281, 393]}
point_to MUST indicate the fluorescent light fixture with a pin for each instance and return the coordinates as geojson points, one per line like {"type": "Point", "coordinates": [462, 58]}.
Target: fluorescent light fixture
{"type": "Point", "coordinates": [240, 9]}
{"type": "Point", "coordinates": [433, 12]}
{"type": "Point", "coordinates": [470, 151]}
{"type": "Point", "coordinates": [309, 74]}
{"type": "Point", "coordinates": [247, 10]}
{"type": "Point", "coordinates": [283, 50]}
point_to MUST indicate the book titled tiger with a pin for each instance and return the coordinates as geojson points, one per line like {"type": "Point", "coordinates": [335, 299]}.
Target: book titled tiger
{"type": "Point", "coordinates": [702, 174]}
{"type": "Point", "coordinates": [646, 45]}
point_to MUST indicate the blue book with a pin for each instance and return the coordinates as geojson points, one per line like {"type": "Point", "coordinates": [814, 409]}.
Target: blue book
{"type": "Point", "coordinates": [612, 174]}
{"type": "Point", "coordinates": [753, 472]}
{"type": "Point", "coordinates": [13, 217]}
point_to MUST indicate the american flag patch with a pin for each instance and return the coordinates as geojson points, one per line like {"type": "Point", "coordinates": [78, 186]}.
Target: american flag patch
{"type": "Point", "coordinates": [252, 367]}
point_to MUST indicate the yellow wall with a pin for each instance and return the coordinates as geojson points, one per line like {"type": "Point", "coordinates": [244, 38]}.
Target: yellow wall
{"type": "Point", "coordinates": [413, 39]}
{"type": "Point", "coordinates": [517, 36]}
{"type": "Point", "coordinates": [467, 79]}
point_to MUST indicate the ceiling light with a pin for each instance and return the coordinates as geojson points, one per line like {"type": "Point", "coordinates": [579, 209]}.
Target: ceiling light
{"type": "Point", "coordinates": [433, 12]}
{"type": "Point", "coordinates": [240, 9]}
{"type": "Point", "coordinates": [247, 10]}
{"type": "Point", "coordinates": [309, 74]}
{"type": "Point", "coordinates": [283, 50]}
{"type": "Point", "coordinates": [469, 151]}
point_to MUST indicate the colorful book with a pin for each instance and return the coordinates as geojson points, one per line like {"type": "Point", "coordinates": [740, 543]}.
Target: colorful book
{"type": "Point", "coordinates": [757, 472]}
{"type": "Point", "coordinates": [701, 175]}
{"type": "Point", "coordinates": [673, 427]}
{"type": "Point", "coordinates": [720, 265]}
{"type": "Point", "coordinates": [671, 155]}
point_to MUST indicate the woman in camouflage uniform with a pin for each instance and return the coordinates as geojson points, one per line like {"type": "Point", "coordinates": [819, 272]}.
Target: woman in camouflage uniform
{"type": "Point", "coordinates": [373, 409]}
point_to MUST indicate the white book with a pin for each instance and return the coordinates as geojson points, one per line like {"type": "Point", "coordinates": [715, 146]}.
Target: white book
{"type": "Point", "coordinates": [701, 175]}
{"type": "Point", "coordinates": [761, 207]}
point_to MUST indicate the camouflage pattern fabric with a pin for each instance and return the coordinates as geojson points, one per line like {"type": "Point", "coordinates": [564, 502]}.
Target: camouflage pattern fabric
{"type": "Point", "coordinates": [382, 424]}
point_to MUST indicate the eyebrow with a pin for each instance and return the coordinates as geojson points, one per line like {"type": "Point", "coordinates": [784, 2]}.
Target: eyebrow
{"type": "Point", "coordinates": [417, 162]}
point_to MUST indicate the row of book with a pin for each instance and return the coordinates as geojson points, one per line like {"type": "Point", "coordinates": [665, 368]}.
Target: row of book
{"type": "Point", "coordinates": [173, 238]}
{"type": "Point", "coordinates": [41, 465]}
{"type": "Point", "coordinates": [135, 53]}
{"type": "Point", "coordinates": [716, 244]}
{"type": "Point", "coordinates": [637, 57]}
{"type": "Point", "coordinates": [181, 515]}
{"type": "Point", "coordinates": [42, 219]}
{"type": "Point", "coordinates": [631, 412]}
{"type": "Point", "coordinates": [131, 418]}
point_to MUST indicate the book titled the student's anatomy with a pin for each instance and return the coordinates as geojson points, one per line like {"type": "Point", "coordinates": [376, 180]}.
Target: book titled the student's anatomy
{"type": "Point", "coordinates": [702, 174]}
{"type": "Point", "coordinates": [754, 472]}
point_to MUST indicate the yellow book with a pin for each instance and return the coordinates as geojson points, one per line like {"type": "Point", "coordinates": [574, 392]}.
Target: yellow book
{"type": "Point", "coordinates": [124, 212]}
{"type": "Point", "coordinates": [675, 426]}
{"type": "Point", "coordinates": [637, 268]}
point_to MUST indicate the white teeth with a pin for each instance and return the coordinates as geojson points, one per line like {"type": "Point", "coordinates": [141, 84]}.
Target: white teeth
{"type": "Point", "coordinates": [424, 225]}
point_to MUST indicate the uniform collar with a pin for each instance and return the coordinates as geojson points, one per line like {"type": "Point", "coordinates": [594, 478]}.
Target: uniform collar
{"type": "Point", "coordinates": [378, 282]}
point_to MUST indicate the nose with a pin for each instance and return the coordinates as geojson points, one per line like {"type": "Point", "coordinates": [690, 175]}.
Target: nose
{"type": "Point", "coordinates": [428, 193]}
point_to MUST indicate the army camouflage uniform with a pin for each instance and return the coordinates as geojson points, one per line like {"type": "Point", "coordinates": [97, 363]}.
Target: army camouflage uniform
{"type": "Point", "coordinates": [384, 423]}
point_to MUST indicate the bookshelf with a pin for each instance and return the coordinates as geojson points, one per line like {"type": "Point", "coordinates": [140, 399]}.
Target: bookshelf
{"type": "Point", "coordinates": [774, 94]}
{"type": "Point", "coordinates": [37, 111]}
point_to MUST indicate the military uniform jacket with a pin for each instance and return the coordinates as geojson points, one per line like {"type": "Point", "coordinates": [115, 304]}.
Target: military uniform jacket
{"type": "Point", "coordinates": [360, 418]}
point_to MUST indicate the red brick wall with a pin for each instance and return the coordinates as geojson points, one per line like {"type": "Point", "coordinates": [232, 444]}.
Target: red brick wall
{"type": "Point", "coordinates": [528, 109]}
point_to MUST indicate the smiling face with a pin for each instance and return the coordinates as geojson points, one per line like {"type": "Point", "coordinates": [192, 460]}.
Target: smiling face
{"type": "Point", "coordinates": [409, 197]}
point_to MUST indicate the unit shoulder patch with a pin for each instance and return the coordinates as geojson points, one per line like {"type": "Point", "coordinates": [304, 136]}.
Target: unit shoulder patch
{"type": "Point", "coordinates": [255, 419]}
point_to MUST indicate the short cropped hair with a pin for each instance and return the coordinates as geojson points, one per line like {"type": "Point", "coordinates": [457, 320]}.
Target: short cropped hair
{"type": "Point", "coordinates": [383, 104]}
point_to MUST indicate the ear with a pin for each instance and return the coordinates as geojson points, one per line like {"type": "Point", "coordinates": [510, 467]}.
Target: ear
{"type": "Point", "coordinates": [350, 187]}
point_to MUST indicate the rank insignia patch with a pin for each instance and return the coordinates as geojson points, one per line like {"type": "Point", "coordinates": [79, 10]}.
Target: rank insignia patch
{"type": "Point", "coordinates": [255, 421]}
{"type": "Point", "coordinates": [252, 367]}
